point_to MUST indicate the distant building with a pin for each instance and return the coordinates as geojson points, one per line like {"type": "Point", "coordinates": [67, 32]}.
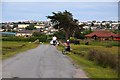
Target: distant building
{"type": "Point", "coordinates": [102, 35]}
{"type": "Point", "coordinates": [86, 27]}
{"type": "Point", "coordinates": [25, 33]}
{"type": "Point", "coordinates": [39, 26]}
{"type": "Point", "coordinates": [22, 26]}
{"type": "Point", "coordinates": [117, 37]}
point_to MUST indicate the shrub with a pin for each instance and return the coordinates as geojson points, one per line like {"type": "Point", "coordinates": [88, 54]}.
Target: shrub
{"type": "Point", "coordinates": [91, 54]}
{"type": "Point", "coordinates": [37, 34]}
{"type": "Point", "coordinates": [31, 39]}
{"type": "Point", "coordinates": [72, 39]}
{"type": "Point", "coordinates": [103, 58]}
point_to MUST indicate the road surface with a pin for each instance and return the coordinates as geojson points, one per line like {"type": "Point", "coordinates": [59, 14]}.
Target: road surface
{"type": "Point", "coordinates": [45, 61]}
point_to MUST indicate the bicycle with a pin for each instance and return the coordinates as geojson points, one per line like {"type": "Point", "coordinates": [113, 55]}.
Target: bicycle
{"type": "Point", "coordinates": [65, 51]}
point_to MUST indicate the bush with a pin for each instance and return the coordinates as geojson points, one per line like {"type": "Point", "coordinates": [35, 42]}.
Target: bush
{"type": "Point", "coordinates": [78, 35]}
{"type": "Point", "coordinates": [31, 39]}
{"type": "Point", "coordinates": [37, 34]}
{"type": "Point", "coordinates": [103, 58]}
{"type": "Point", "coordinates": [72, 39]}
{"type": "Point", "coordinates": [76, 42]}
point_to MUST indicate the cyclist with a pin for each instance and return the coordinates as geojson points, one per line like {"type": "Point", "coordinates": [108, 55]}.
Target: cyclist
{"type": "Point", "coordinates": [67, 46]}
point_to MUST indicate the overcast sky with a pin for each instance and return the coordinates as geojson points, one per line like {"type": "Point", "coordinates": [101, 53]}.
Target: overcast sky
{"type": "Point", "coordinates": [60, 0]}
{"type": "Point", "coordinates": [83, 11]}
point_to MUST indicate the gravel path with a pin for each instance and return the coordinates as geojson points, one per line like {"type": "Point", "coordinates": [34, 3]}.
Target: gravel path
{"type": "Point", "coordinates": [45, 61]}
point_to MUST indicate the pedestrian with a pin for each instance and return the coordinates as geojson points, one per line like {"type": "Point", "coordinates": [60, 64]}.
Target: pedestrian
{"type": "Point", "coordinates": [68, 45]}
{"type": "Point", "coordinates": [54, 40]}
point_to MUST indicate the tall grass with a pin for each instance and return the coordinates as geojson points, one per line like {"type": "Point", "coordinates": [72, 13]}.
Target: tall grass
{"type": "Point", "coordinates": [98, 59]}
{"type": "Point", "coordinates": [94, 71]}
{"type": "Point", "coordinates": [103, 56]}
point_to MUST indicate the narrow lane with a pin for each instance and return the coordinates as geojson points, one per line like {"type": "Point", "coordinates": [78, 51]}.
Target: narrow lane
{"type": "Point", "coordinates": [45, 61]}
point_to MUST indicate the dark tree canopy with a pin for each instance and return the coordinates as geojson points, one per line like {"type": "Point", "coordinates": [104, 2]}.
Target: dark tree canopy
{"type": "Point", "coordinates": [30, 27]}
{"type": "Point", "coordinates": [64, 21]}
{"type": "Point", "coordinates": [37, 34]}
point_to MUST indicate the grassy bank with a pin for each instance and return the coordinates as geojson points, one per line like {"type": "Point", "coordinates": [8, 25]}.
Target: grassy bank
{"type": "Point", "coordinates": [93, 70]}
{"type": "Point", "coordinates": [10, 48]}
{"type": "Point", "coordinates": [100, 43]}
{"type": "Point", "coordinates": [104, 56]}
{"type": "Point", "coordinates": [82, 55]}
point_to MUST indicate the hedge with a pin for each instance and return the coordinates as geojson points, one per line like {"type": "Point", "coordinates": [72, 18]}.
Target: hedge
{"type": "Point", "coordinates": [41, 39]}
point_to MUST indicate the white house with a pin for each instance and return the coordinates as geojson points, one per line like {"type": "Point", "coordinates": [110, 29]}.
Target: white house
{"type": "Point", "coordinates": [22, 25]}
{"type": "Point", "coordinates": [24, 33]}
{"type": "Point", "coordinates": [39, 26]}
{"type": "Point", "coordinates": [86, 27]}
{"type": "Point", "coordinates": [1, 30]}
{"type": "Point", "coordinates": [93, 28]}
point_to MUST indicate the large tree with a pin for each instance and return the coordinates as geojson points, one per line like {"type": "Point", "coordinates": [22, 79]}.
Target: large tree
{"type": "Point", "coordinates": [64, 21]}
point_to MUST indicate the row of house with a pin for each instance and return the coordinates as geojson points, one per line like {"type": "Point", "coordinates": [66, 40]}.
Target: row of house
{"type": "Point", "coordinates": [96, 25]}
{"type": "Point", "coordinates": [28, 33]}
{"type": "Point", "coordinates": [47, 28]}
{"type": "Point", "coordinates": [20, 29]}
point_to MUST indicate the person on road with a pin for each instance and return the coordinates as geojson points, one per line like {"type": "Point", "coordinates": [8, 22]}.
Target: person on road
{"type": "Point", "coordinates": [68, 45]}
{"type": "Point", "coordinates": [54, 40]}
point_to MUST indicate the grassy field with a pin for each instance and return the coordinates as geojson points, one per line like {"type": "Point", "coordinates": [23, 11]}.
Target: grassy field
{"type": "Point", "coordinates": [80, 54]}
{"type": "Point", "coordinates": [10, 48]}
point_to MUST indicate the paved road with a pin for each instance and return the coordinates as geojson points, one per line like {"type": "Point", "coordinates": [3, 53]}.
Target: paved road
{"type": "Point", "coordinates": [45, 61]}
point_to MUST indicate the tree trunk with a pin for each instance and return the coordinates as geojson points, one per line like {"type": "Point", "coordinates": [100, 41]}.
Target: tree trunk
{"type": "Point", "coordinates": [67, 31]}
{"type": "Point", "coordinates": [67, 35]}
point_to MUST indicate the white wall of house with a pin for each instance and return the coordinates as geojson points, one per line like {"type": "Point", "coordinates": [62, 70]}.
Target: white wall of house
{"type": "Point", "coordinates": [2, 29]}
{"type": "Point", "coordinates": [103, 23]}
{"type": "Point", "coordinates": [11, 25]}
{"type": "Point", "coordinates": [45, 31]}
{"type": "Point", "coordinates": [86, 27]}
{"type": "Point", "coordinates": [22, 25]}
{"type": "Point", "coordinates": [40, 26]}
{"type": "Point", "coordinates": [97, 23]}
{"type": "Point", "coordinates": [80, 23]}
{"type": "Point", "coordinates": [93, 28]}
{"type": "Point", "coordinates": [24, 34]}
{"type": "Point", "coordinates": [115, 23]}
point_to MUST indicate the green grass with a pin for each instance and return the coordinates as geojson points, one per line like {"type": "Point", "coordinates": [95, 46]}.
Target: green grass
{"type": "Point", "coordinates": [10, 48]}
{"type": "Point", "coordinates": [93, 70]}
{"type": "Point", "coordinates": [80, 48]}
{"type": "Point", "coordinates": [101, 43]}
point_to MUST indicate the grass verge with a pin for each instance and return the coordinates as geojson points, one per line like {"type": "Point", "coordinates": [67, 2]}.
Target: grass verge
{"type": "Point", "coordinates": [10, 48]}
{"type": "Point", "coordinates": [92, 69]}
